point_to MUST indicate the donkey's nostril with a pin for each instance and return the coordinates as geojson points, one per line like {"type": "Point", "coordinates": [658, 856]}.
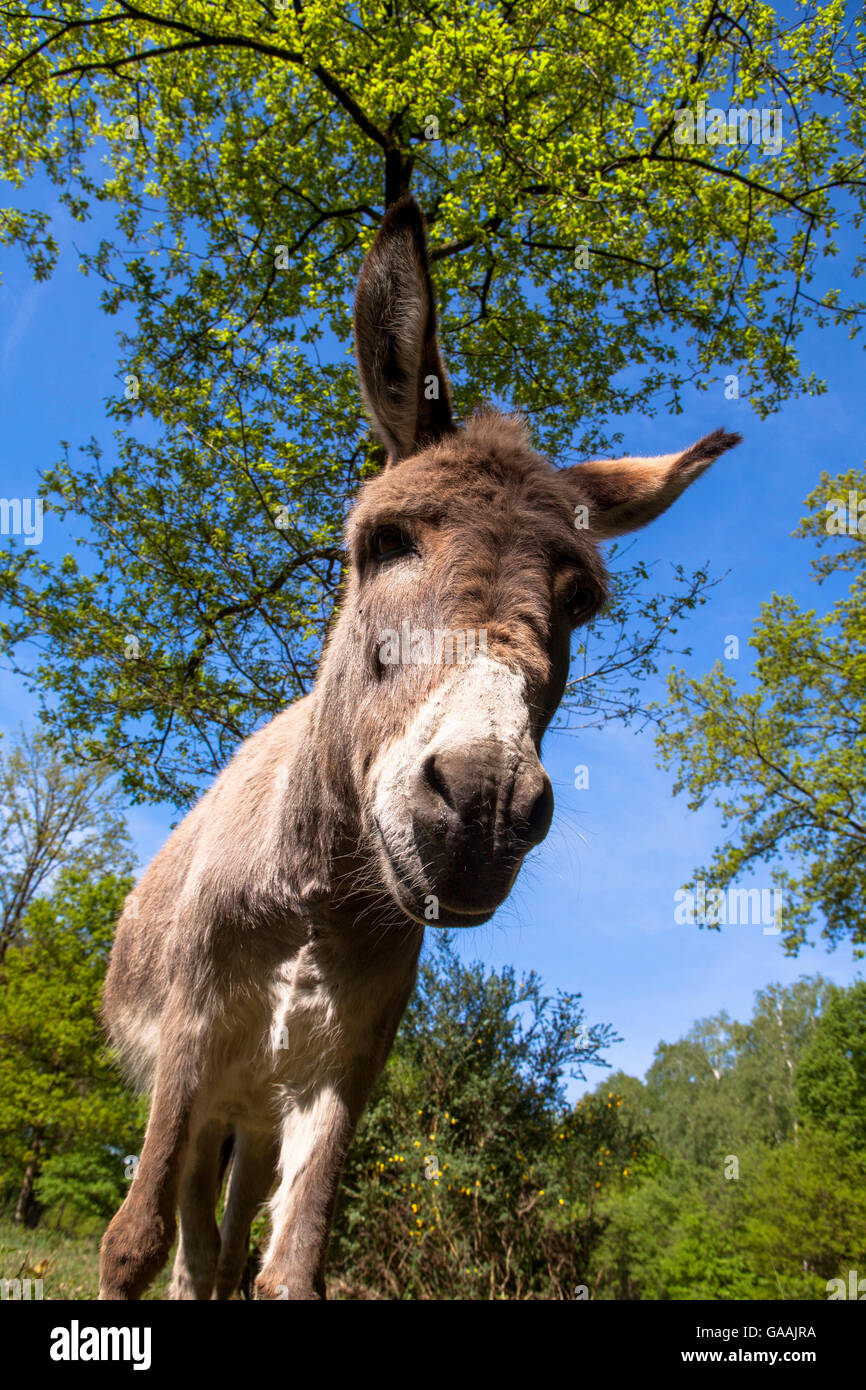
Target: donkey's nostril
{"type": "Point", "coordinates": [475, 814]}
{"type": "Point", "coordinates": [434, 773]}
{"type": "Point", "coordinates": [469, 793]}
{"type": "Point", "coordinates": [542, 814]}
{"type": "Point", "coordinates": [532, 823]}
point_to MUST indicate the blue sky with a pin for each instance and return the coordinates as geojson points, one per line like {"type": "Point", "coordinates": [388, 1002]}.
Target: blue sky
{"type": "Point", "coordinates": [593, 910]}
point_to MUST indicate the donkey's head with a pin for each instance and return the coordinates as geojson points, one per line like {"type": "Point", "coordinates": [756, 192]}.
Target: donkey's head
{"type": "Point", "coordinates": [468, 574]}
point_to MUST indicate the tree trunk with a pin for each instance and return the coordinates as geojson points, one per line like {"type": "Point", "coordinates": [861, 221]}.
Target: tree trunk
{"type": "Point", "coordinates": [27, 1209]}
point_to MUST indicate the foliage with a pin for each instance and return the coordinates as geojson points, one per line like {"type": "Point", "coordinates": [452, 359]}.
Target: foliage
{"type": "Point", "coordinates": [787, 758]}
{"type": "Point", "coordinates": [53, 813]}
{"type": "Point", "coordinates": [87, 1180]}
{"type": "Point", "coordinates": [742, 1196]}
{"type": "Point", "coordinates": [734, 1171]}
{"type": "Point", "coordinates": [471, 1177]}
{"type": "Point", "coordinates": [63, 1107]}
{"type": "Point", "coordinates": [729, 1085]}
{"type": "Point", "coordinates": [831, 1075]}
{"type": "Point", "coordinates": [674, 1234]}
{"type": "Point", "coordinates": [236, 161]}
{"type": "Point", "coordinates": [807, 1215]}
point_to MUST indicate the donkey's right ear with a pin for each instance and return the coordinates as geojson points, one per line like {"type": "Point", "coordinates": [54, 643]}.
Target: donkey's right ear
{"type": "Point", "coordinates": [402, 376]}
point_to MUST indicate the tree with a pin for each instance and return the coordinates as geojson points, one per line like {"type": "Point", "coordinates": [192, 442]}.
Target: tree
{"type": "Point", "coordinates": [806, 1221]}
{"type": "Point", "coordinates": [691, 1103]}
{"type": "Point", "coordinates": [593, 255]}
{"type": "Point", "coordinates": [60, 1094]}
{"type": "Point", "coordinates": [675, 1233]}
{"type": "Point", "coordinates": [831, 1075]}
{"type": "Point", "coordinates": [701, 1216]}
{"type": "Point", "coordinates": [787, 758]}
{"type": "Point", "coordinates": [769, 1050]}
{"type": "Point", "coordinates": [470, 1175]}
{"type": "Point", "coordinates": [53, 813]}
{"type": "Point", "coordinates": [728, 1086]}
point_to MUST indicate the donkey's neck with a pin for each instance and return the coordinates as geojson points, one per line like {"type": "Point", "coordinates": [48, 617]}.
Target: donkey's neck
{"type": "Point", "coordinates": [327, 866]}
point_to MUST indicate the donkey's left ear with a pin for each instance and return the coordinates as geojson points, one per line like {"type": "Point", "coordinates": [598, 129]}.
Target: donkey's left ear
{"type": "Point", "coordinates": [622, 495]}
{"type": "Point", "coordinates": [402, 376]}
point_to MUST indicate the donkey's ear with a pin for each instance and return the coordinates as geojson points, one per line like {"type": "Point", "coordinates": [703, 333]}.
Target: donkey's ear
{"type": "Point", "coordinates": [402, 377]}
{"type": "Point", "coordinates": [622, 495]}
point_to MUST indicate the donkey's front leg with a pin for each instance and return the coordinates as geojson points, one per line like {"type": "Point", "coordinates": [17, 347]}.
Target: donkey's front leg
{"type": "Point", "coordinates": [315, 1137]}
{"type": "Point", "coordinates": [136, 1244]}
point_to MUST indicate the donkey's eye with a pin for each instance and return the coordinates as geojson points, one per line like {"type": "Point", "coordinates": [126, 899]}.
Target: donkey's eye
{"type": "Point", "coordinates": [388, 542]}
{"type": "Point", "coordinates": [579, 601]}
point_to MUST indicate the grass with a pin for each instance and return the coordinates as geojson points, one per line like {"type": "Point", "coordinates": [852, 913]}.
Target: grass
{"type": "Point", "coordinates": [67, 1261]}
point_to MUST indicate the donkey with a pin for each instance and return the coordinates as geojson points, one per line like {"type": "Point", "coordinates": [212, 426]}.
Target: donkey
{"type": "Point", "coordinates": [264, 960]}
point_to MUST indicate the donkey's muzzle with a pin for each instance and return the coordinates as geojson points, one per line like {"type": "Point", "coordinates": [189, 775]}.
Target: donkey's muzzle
{"type": "Point", "coordinates": [475, 815]}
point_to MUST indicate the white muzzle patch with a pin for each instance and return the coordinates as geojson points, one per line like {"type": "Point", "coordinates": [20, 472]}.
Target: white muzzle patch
{"type": "Point", "coordinates": [482, 702]}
